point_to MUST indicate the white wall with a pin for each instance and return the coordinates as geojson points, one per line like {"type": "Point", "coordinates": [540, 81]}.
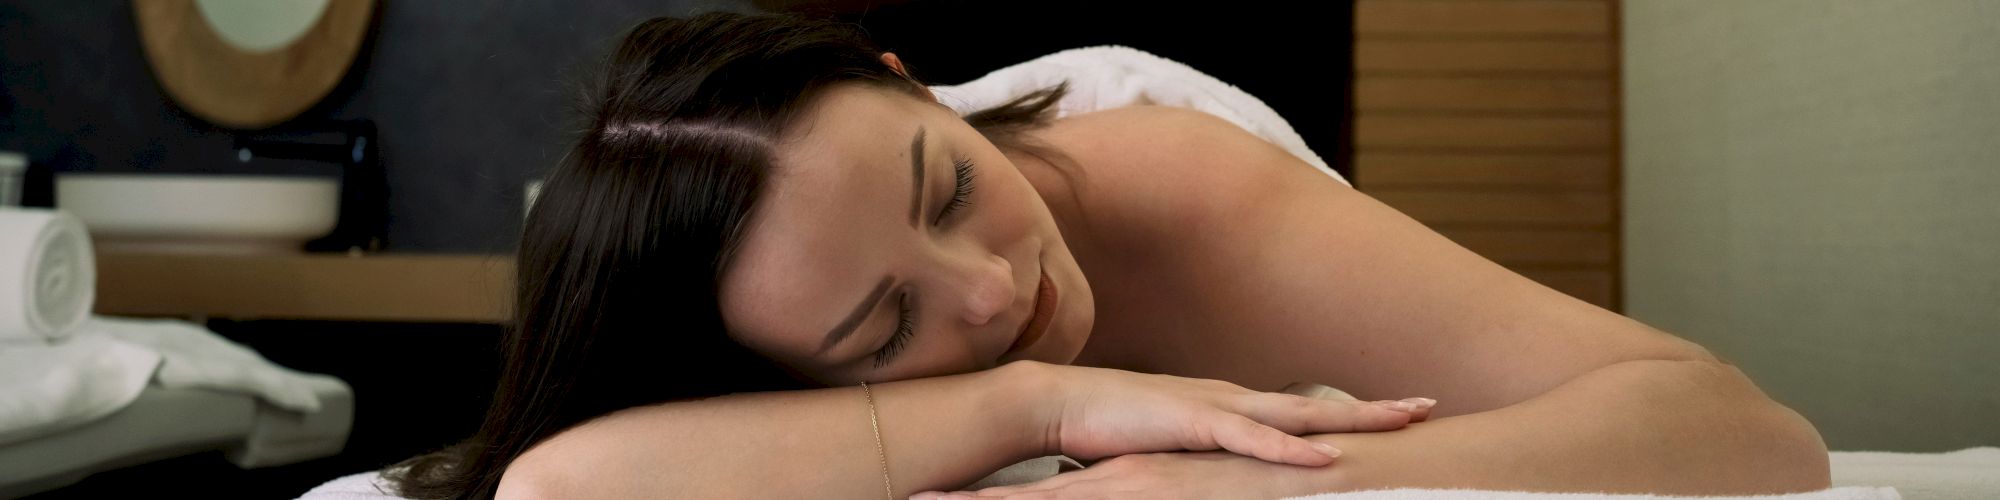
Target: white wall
{"type": "Point", "coordinates": [1812, 189]}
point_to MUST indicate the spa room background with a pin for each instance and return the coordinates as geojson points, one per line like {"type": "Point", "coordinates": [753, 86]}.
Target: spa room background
{"type": "Point", "coordinates": [1565, 139]}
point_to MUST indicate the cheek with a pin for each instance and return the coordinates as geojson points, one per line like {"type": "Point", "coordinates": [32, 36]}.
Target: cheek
{"type": "Point", "coordinates": [1017, 209]}
{"type": "Point", "coordinates": [934, 360]}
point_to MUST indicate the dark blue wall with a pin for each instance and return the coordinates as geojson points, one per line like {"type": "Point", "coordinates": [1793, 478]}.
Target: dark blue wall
{"type": "Point", "coordinates": [472, 99]}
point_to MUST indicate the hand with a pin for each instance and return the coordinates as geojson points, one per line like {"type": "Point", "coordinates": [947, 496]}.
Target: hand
{"type": "Point", "coordinates": [1099, 413]}
{"type": "Point", "coordinates": [1185, 475]}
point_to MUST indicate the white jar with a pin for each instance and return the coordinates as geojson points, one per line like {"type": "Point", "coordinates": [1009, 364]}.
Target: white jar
{"type": "Point", "coordinates": [13, 177]}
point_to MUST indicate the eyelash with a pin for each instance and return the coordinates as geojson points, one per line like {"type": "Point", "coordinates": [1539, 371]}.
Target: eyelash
{"type": "Point", "coordinates": [905, 328]}
{"type": "Point", "coordinates": [961, 197]}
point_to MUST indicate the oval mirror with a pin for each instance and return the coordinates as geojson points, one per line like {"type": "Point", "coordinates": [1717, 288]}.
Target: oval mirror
{"type": "Point", "coordinates": [261, 25]}
{"type": "Point", "coordinates": [250, 64]}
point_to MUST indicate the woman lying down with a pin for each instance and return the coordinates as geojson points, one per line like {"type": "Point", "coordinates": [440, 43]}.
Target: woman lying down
{"type": "Point", "coordinates": [775, 266]}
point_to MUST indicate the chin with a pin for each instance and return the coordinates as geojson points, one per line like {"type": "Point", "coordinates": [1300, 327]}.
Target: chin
{"type": "Point", "coordinates": [1074, 347]}
{"type": "Point", "coordinates": [1075, 327]}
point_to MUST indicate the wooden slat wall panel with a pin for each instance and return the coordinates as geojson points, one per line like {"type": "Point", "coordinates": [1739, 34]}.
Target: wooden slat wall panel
{"type": "Point", "coordinates": [1480, 17]}
{"type": "Point", "coordinates": [1378, 131]}
{"type": "Point", "coordinates": [1495, 122]}
{"type": "Point", "coordinates": [1405, 57]}
{"type": "Point", "coordinates": [1586, 96]}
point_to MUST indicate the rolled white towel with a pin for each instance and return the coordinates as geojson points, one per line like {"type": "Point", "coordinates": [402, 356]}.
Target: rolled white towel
{"type": "Point", "coordinates": [48, 276]}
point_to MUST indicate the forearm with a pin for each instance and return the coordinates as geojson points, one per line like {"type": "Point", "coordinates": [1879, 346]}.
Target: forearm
{"type": "Point", "coordinates": [1665, 427]}
{"type": "Point", "coordinates": [937, 433]}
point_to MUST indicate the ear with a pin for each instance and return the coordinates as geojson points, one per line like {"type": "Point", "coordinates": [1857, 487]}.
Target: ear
{"type": "Point", "coordinates": [896, 63]}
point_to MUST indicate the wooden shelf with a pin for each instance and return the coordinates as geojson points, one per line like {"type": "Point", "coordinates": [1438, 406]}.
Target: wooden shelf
{"type": "Point", "coordinates": [381, 287]}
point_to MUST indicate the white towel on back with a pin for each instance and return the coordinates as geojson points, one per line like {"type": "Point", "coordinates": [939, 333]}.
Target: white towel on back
{"type": "Point", "coordinates": [1114, 76]}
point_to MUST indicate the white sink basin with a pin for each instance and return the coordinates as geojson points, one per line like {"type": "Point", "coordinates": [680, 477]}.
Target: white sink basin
{"type": "Point", "coordinates": [201, 213]}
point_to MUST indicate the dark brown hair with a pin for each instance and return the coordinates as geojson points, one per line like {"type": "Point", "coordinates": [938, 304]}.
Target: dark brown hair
{"type": "Point", "coordinates": [620, 258]}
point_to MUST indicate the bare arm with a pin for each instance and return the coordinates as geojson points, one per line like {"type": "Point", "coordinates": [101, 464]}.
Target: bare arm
{"type": "Point", "coordinates": [1660, 427]}
{"type": "Point", "coordinates": [1655, 426]}
{"type": "Point", "coordinates": [936, 432]}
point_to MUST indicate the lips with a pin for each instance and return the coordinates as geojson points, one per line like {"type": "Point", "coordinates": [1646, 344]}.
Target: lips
{"type": "Point", "coordinates": [1038, 321]}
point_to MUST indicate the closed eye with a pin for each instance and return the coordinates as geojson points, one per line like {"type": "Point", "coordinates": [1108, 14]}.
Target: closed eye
{"type": "Point", "coordinates": [961, 194]}
{"type": "Point", "coordinates": [905, 328]}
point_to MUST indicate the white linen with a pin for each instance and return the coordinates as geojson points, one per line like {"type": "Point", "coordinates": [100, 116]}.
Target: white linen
{"type": "Point", "coordinates": [1972, 473]}
{"type": "Point", "coordinates": [1968, 474]}
{"type": "Point", "coordinates": [49, 386]}
{"type": "Point", "coordinates": [45, 388]}
{"type": "Point", "coordinates": [1114, 76]}
{"type": "Point", "coordinates": [193, 357]}
{"type": "Point", "coordinates": [1839, 493]}
{"type": "Point", "coordinates": [362, 486]}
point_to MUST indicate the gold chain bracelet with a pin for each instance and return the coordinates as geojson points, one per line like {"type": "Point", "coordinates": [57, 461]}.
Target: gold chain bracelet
{"type": "Point", "coordinates": [887, 487]}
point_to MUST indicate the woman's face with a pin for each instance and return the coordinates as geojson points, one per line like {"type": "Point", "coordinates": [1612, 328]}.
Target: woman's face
{"type": "Point", "coordinates": [896, 242]}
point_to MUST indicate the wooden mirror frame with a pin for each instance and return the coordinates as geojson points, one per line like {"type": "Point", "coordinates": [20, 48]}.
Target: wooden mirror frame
{"type": "Point", "coordinates": [234, 88]}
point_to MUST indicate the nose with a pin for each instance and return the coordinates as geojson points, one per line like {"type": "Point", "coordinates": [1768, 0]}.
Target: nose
{"type": "Point", "coordinates": [989, 288]}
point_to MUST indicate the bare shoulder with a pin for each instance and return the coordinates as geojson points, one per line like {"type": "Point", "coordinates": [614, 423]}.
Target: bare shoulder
{"type": "Point", "coordinates": [1174, 164]}
{"type": "Point", "coordinates": [1162, 136]}
{"type": "Point", "coordinates": [570, 464]}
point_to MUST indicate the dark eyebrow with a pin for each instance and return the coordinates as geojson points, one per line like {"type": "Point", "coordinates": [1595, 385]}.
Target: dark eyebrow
{"type": "Point", "coordinates": [917, 171]}
{"type": "Point", "coordinates": [846, 327]}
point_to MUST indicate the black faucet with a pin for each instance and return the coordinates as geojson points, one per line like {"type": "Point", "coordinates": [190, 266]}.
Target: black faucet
{"type": "Point", "coordinates": [364, 189]}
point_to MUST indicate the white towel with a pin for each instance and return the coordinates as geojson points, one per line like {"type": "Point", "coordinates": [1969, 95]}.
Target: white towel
{"type": "Point", "coordinates": [363, 486]}
{"type": "Point", "coordinates": [1841, 493]}
{"type": "Point", "coordinates": [1113, 76]}
{"type": "Point", "coordinates": [1968, 474]}
{"type": "Point", "coordinates": [48, 277]}
{"type": "Point", "coordinates": [104, 365]}
{"type": "Point", "coordinates": [45, 388]}
{"type": "Point", "coordinates": [193, 357]}
{"type": "Point", "coordinates": [370, 486]}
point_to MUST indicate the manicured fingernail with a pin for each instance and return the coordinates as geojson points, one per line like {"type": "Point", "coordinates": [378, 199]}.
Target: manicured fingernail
{"type": "Point", "coordinates": [927, 495]}
{"type": "Point", "coordinates": [1422, 403]}
{"type": "Point", "coordinates": [1403, 406]}
{"type": "Point", "coordinates": [1329, 450]}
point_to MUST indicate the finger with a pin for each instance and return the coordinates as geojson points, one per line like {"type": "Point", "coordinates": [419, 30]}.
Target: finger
{"type": "Point", "coordinates": [1243, 436]}
{"type": "Point", "coordinates": [1036, 495]}
{"type": "Point", "coordinates": [1424, 406]}
{"type": "Point", "coordinates": [1418, 408]}
{"type": "Point", "coordinates": [1302, 415]}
